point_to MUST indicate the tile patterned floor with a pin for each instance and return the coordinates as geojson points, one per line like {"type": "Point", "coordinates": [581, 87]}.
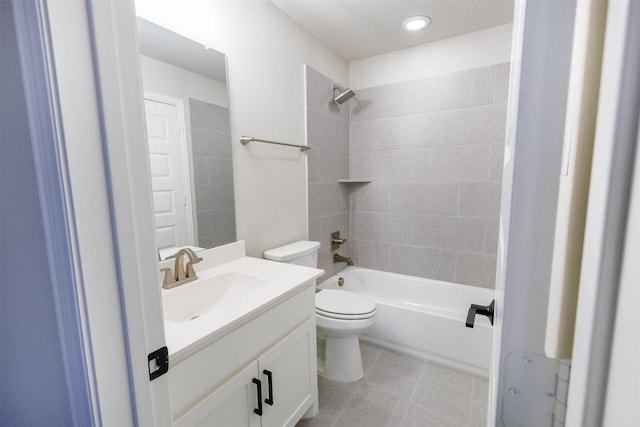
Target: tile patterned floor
{"type": "Point", "coordinates": [400, 390]}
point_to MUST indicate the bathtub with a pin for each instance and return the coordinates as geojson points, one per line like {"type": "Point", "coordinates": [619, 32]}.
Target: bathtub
{"type": "Point", "coordinates": [423, 317]}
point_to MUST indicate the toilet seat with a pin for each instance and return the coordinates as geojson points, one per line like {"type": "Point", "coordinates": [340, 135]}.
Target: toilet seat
{"type": "Point", "coordinates": [346, 305]}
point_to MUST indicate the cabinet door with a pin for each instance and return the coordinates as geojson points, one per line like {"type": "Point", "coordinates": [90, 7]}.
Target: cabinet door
{"type": "Point", "coordinates": [291, 363]}
{"type": "Point", "coordinates": [230, 405]}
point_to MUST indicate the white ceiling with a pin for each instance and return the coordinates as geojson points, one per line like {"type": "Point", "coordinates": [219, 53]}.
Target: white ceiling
{"type": "Point", "coordinates": [357, 29]}
{"type": "Point", "coordinates": [166, 46]}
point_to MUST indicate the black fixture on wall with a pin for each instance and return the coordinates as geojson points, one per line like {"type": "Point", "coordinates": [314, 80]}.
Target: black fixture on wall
{"type": "Point", "coordinates": [484, 310]}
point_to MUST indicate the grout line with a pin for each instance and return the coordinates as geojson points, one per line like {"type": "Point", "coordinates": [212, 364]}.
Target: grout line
{"type": "Point", "coordinates": [473, 387]}
{"type": "Point", "coordinates": [486, 225]}
{"type": "Point", "coordinates": [353, 394]}
{"type": "Point", "coordinates": [346, 406]}
{"type": "Point", "coordinates": [461, 127]}
{"type": "Point", "coordinates": [373, 365]}
{"type": "Point", "coordinates": [415, 388]}
{"type": "Point", "coordinates": [493, 89]}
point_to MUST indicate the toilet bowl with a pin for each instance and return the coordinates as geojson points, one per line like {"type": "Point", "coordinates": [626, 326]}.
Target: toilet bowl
{"type": "Point", "coordinates": [340, 316]}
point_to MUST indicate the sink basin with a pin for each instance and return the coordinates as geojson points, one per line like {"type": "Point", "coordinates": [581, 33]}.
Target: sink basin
{"type": "Point", "coordinates": [190, 301]}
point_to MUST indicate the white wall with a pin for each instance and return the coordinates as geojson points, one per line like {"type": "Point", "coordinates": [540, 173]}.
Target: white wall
{"type": "Point", "coordinates": [266, 52]}
{"type": "Point", "coordinates": [473, 50]}
{"type": "Point", "coordinates": [167, 79]}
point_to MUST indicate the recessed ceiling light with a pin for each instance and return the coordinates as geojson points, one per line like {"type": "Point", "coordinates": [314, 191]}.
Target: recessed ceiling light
{"type": "Point", "coordinates": [416, 23]}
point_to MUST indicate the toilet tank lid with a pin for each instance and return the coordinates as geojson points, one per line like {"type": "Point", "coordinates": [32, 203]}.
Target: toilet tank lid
{"type": "Point", "coordinates": [292, 250]}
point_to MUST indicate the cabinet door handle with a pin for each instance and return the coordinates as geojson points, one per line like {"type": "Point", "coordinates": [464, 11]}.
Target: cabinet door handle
{"type": "Point", "coordinates": [258, 384]}
{"type": "Point", "coordinates": [269, 400]}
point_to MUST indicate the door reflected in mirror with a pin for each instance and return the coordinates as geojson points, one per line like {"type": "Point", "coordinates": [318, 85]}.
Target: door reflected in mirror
{"type": "Point", "coordinates": [189, 139]}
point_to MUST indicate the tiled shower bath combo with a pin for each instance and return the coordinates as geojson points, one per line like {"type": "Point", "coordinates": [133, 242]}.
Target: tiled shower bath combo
{"type": "Point", "coordinates": [433, 150]}
{"type": "Point", "coordinates": [328, 134]}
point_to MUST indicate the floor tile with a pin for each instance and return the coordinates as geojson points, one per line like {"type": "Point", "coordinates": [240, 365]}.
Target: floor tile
{"type": "Point", "coordinates": [332, 400]}
{"type": "Point", "coordinates": [423, 417]}
{"type": "Point", "coordinates": [385, 391]}
{"type": "Point", "coordinates": [322, 419]}
{"type": "Point", "coordinates": [400, 364]}
{"type": "Point", "coordinates": [478, 415]}
{"type": "Point", "coordinates": [372, 417]}
{"type": "Point", "coordinates": [480, 390]}
{"type": "Point", "coordinates": [370, 354]}
{"type": "Point", "coordinates": [400, 390]}
{"type": "Point", "coordinates": [446, 390]}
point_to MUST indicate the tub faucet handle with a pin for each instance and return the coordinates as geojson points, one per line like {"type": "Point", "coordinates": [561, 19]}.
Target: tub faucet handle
{"type": "Point", "coordinates": [482, 310]}
{"type": "Point", "coordinates": [336, 240]}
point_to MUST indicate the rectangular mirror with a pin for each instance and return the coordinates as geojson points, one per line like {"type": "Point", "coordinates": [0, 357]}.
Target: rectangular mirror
{"type": "Point", "coordinates": [189, 136]}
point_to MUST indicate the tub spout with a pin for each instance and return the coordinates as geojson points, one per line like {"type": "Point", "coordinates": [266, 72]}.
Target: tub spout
{"type": "Point", "coordinates": [340, 258]}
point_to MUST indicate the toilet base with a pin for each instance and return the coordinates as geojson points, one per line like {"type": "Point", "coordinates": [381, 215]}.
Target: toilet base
{"type": "Point", "coordinates": [342, 359]}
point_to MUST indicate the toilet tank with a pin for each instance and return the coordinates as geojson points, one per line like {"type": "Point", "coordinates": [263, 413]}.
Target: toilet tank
{"type": "Point", "coordinates": [302, 252]}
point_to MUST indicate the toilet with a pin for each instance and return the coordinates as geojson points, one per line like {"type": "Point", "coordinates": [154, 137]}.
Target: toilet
{"type": "Point", "coordinates": [340, 315]}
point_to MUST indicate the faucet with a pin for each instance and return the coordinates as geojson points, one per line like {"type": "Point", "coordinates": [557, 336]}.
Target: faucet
{"type": "Point", "coordinates": [340, 258]}
{"type": "Point", "coordinates": [181, 273]}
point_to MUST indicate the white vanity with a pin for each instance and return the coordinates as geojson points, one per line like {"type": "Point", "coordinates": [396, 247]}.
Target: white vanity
{"type": "Point", "coordinates": [242, 342]}
{"type": "Point", "coordinates": [242, 337]}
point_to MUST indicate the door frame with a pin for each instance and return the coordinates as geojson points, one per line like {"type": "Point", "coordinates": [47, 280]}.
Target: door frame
{"type": "Point", "coordinates": [117, 63]}
{"type": "Point", "coordinates": [623, 394]}
{"type": "Point", "coordinates": [542, 42]}
{"type": "Point", "coordinates": [610, 194]}
{"type": "Point", "coordinates": [185, 156]}
{"type": "Point", "coordinates": [95, 193]}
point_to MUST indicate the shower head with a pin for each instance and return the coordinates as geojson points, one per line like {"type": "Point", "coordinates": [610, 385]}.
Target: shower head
{"type": "Point", "coordinates": [343, 94]}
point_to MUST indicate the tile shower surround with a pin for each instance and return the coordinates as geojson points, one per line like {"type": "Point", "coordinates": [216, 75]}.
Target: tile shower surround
{"type": "Point", "coordinates": [434, 149]}
{"type": "Point", "coordinates": [213, 174]}
{"type": "Point", "coordinates": [328, 134]}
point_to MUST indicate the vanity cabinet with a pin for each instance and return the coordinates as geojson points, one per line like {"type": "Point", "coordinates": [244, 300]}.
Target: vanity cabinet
{"type": "Point", "coordinates": [229, 405]}
{"type": "Point", "coordinates": [275, 355]}
{"type": "Point", "coordinates": [286, 367]}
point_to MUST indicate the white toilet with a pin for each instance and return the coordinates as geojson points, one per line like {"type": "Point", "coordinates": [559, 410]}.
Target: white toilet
{"type": "Point", "coordinates": [340, 315]}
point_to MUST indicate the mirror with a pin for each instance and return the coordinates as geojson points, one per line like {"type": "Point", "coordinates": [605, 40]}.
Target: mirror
{"type": "Point", "coordinates": [189, 136]}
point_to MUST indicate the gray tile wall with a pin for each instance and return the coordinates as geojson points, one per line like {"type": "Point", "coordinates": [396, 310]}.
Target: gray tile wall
{"type": "Point", "coordinates": [434, 149]}
{"type": "Point", "coordinates": [213, 173]}
{"type": "Point", "coordinates": [328, 134]}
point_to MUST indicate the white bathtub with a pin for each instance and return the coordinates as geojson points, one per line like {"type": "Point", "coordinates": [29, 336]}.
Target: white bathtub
{"type": "Point", "coordinates": [424, 317]}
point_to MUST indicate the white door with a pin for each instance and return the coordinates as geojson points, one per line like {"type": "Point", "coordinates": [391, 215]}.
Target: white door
{"type": "Point", "coordinates": [169, 177]}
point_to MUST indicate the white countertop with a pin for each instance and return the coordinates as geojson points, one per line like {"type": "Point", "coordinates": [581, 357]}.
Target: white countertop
{"type": "Point", "coordinates": [284, 280]}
